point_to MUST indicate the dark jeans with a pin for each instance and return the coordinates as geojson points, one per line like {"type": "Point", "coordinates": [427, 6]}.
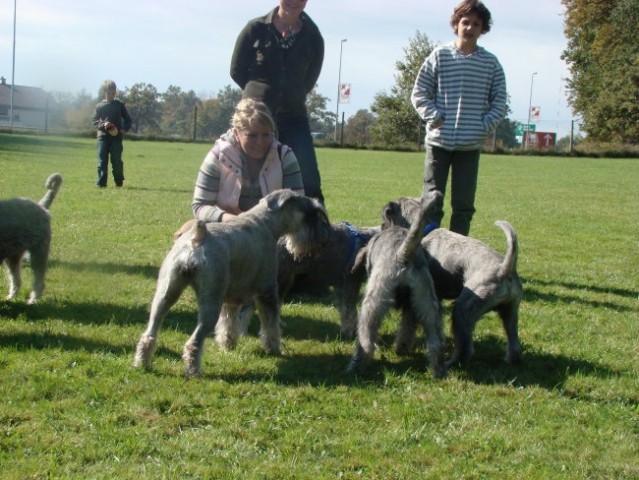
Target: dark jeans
{"type": "Point", "coordinates": [110, 146]}
{"type": "Point", "coordinates": [464, 167]}
{"type": "Point", "coordinates": [295, 132]}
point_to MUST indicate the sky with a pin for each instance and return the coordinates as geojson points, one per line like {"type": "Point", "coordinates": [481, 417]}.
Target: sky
{"type": "Point", "coordinates": [73, 45]}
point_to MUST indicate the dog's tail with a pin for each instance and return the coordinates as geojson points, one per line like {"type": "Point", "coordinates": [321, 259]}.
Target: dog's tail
{"type": "Point", "coordinates": [197, 234]}
{"type": "Point", "coordinates": [509, 264]}
{"type": "Point", "coordinates": [52, 185]}
{"type": "Point", "coordinates": [415, 233]}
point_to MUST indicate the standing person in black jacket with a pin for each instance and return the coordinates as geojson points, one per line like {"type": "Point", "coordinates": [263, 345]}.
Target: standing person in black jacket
{"type": "Point", "coordinates": [277, 59]}
{"type": "Point", "coordinates": [112, 120]}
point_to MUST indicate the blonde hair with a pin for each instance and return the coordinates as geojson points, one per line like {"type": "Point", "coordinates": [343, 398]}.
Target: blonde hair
{"type": "Point", "coordinates": [249, 112]}
{"type": "Point", "coordinates": [107, 85]}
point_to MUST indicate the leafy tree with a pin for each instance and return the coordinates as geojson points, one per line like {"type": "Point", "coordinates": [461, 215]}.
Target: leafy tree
{"type": "Point", "coordinates": [228, 97]}
{"type": "Point", "coordinates": [603, 57]}
{"type": "Point", "coordinates": [144, 107]}
{"type": "Point", "coordinates": [397, 121]}
{"type": "Point", "coordinates": [505, 131]}
{"type": "Point", "coordinates": [72, 111]}
{"type": "Point", "coordinates": [320, 118]}
{"type": "Point", "coordinates": [358, 128]}
{"type": "Point", "coordinates": [214, 114]}
{"type": "Point", "coordinates": [208, 124]}
{"type": "Point", "coordinates": [178, 110]}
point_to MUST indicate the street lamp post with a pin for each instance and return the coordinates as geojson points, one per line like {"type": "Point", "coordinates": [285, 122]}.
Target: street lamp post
{"type": "Point", "coordinates": [527, 132]}
{"type": "Point", "coordinates": [13, 66]}
{"type": "Point", "coordinates": [339, 81]}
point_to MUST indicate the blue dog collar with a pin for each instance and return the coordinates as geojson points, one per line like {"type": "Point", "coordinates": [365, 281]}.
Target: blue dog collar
{"type": "Point", "coordinates": [354, 236]}
{"type": "Point", "coordinates": [429, 228]}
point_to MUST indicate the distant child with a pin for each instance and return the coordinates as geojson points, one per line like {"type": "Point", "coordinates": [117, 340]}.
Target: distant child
{"type": "Point", "coordinates": [112, 121]}
{"type": "Point", "coordinates": [460, 92]}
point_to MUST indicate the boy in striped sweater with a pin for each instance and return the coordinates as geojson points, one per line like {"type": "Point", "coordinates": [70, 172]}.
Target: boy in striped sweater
{"type": "Point", "coordinates": [460, 92]}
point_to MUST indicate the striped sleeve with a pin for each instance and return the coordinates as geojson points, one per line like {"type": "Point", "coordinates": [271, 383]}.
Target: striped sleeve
{"type": "Point", "coordinates": [291, 174]}
{"type": "Point", "coordinates": [207, 187]}
{"type": "Point", "coordinates": [423, 95]}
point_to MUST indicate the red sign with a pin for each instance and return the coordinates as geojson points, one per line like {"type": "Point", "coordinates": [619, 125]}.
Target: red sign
{"type": "Point", "coordinates": [540, 140]}
{"type": "Point", "coordinates": [345, 93]}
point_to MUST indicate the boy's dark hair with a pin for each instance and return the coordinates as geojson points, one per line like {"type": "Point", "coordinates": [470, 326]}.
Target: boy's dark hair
{"type": "Point", "coordinates": [467, 7]}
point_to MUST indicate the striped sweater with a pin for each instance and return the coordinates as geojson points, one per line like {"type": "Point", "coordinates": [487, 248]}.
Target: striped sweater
{"type": "Point", "coordinates": [467, 91]}
{"type": "Point", "coordinates": [223, 183]}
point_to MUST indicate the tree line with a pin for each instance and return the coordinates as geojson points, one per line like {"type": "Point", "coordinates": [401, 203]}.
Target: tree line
{"type": "Point", "coordinates": [602, 54]}
{"type": "Point", "coordinates": [390, 123]}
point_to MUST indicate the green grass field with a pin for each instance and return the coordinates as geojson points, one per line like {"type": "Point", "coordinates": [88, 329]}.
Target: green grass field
{"type": "Point", "coordinates": [71, 405]}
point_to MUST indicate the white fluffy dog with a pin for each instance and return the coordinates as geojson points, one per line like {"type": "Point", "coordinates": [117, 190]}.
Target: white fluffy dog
{"type": "Point", "coordinates": [25, 228]}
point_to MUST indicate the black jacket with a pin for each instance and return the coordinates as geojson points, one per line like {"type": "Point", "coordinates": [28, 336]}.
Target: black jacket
{"type": "Point", "coordinates": [279, 77]}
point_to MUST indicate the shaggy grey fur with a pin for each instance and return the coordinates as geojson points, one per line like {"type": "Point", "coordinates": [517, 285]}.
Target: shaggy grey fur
{"type": "Point", "coordinates": [398, 275]}
{"type": "Point", "coordinates": [25, 229]}
{"type": "Point", "coordinates": [331, 266]}
{"type": "Point", "coordinates": [229, 265]}
{"type": "Point", "coordinates": [478, 278]}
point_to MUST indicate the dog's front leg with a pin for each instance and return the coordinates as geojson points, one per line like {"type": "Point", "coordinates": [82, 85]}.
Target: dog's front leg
{"type": "Point", "coordinates": [347, 296]}
{"type": "Point", "coordinates": [268, 309]}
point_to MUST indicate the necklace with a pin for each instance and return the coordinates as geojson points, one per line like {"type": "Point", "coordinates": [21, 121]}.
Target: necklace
{"type": "Point", "coordinates": [287, 36]}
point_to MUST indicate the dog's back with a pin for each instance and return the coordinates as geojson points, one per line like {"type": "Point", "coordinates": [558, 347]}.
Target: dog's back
{"type": "Point", "coordinates": [456, 260]}
{"type": "Point", "coordinates": [24, 226]}
{"type": "Point", "coordinates": [25, 229]}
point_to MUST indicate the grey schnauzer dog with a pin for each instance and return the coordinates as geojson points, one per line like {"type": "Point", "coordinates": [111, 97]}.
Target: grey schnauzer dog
{"type": "Point", "coordinates": [398, 275]}
{"type": "Point", "coordinates": [229, 265]}
{"type": "Point", "coordinates": [25, 229]}
{"type": "Point", "coordinates": [330, 266]}
{"type": "Point", "coordinates": [474, 275]}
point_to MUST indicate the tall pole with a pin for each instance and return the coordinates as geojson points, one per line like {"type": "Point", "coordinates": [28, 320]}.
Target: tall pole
{"type": "Point", "coordinates": [527, 133]}
{"type": "Point", "coordinates": [339, 81]}
{"type": "Point", "coordinates": [13, 66]}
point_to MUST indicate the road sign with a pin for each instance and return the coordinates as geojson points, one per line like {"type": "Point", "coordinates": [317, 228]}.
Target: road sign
{"type": "Point", "coordinates": [521, 128]}
{"type": "Point", "coordinates": [540, 140]}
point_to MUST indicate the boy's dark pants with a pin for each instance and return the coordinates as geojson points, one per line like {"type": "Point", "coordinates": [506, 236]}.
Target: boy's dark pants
{"type": "Point", "coordinates": [109, 145]}
{"type": "Point", "coordinates": [464, 166]}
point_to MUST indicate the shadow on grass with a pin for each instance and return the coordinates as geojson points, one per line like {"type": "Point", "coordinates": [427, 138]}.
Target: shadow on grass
{"type": "Point", "coordinates": [172, 190]}
{"type": "Point", "coordinates": [540, 369]}
{"type": "Point", "coordinates": [148, 271]}
{"type": "Point", "coordinates": [31, 144]}
{"type": "Point", "coordinates": [533, 294]}
{"type": "Point", "coordinates": [96, 314]}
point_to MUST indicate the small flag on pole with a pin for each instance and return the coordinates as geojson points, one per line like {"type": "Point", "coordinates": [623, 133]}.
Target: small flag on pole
{"type": "Point", "coordinates": [345, 93]}
{"type": "Point", "coordinates": [534, 113]}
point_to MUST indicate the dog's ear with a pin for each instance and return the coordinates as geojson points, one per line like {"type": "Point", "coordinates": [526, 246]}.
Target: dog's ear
{"type": "Point", "coordinates": [321, 212]}
{"type": "Point", "coordinates": [359, 265]}
{"type": "Point", "coordinates": [279, 198]}
{"type": "Point", "coordinates": [390, 214]}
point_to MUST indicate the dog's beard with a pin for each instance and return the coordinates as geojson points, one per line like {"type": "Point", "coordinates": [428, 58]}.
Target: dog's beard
{"type": "Point", "coordinates": [307, 241]}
